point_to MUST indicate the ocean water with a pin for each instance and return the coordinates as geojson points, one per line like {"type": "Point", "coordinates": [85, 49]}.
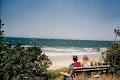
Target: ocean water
{"type": "Point", "coordinates": [57, 47]}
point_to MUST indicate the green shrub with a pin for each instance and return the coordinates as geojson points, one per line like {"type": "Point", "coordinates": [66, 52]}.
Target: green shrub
{"type": "Point", "coordinates": [113, 59]}
{"type": "Point", "coordinates": [18, 63]}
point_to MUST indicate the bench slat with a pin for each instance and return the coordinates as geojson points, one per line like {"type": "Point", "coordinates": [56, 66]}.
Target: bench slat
{"type": "Point", "coordinates": [91, 68]}
{"type": "Point", "coordinates": [85, 70]}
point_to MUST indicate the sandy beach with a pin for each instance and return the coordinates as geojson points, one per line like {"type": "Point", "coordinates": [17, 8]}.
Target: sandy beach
{"type": "Point", "coordinates": [64, 61]}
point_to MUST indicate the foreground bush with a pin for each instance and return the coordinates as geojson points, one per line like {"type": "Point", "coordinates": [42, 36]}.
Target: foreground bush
{"type": "Point", "coordinates": [19, 63]}
{"type": "Point", "coordinates": [113, 59]}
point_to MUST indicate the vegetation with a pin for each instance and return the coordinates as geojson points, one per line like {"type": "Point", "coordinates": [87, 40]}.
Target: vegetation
{"type": "Point", "coordinates": [117, 33]}
{"type": "Point", "coordinates": [18, 63]}
{"type": "Point", "coordinates": [113, 59]}
{"type": "Point", "coordinates": [102, 77]}
{"type": "Point", "coordinates": [53, 75]}
{"type": "Point", "coordinates": [113, 55]}
{"type": "Point", "coordinates": [1, 36]}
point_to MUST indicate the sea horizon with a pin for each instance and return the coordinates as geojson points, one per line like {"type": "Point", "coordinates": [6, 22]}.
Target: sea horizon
{"type": "Point", "coordinates": [58, 42]}
{"type": "Point", "coordinates": [60, 38]}
{"type": "Point", "coordinates": [57, 47]}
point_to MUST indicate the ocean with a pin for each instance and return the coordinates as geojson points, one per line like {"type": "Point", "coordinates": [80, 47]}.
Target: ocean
{"type": "Point", "coordinates": [57, 47]}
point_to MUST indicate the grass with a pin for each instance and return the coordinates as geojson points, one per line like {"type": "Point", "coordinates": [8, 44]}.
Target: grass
{"type": "Point", "coordinates": [102, 77]}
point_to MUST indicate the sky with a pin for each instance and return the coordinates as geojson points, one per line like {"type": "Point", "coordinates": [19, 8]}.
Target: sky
{"type": "Point", "coordinates": [61, 19]}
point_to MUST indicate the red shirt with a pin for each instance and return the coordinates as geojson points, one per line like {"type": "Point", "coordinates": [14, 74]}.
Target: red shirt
{"type": "Point", "coordinates": [76, 64]}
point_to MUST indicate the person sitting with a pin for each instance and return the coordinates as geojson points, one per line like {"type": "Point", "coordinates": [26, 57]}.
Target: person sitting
{"type": "Point", "coordinates": [71, 75]}
{"type": "Point", "coordinates": [76, 64]}
{"type": "Point", "coordinates": [86, 63]}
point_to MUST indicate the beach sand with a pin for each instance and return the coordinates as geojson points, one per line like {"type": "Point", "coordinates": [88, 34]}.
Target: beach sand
{"type": "Point", "coordinates": [64, 61]}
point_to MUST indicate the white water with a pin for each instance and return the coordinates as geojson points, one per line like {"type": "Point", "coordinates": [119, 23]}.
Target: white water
{"type": "Point", "coordinates": [68, 51]}
{"type": "Point", "coordinates": [62, 51]}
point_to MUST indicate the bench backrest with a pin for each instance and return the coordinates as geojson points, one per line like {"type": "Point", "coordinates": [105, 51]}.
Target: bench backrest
{"type": "Point", "coordinates": [91, 68]}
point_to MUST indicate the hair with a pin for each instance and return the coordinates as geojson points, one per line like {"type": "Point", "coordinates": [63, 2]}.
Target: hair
{"type": "Point", "coordinates": [85, 57]}
{"type": "Point", "coordinates": [75, 58]}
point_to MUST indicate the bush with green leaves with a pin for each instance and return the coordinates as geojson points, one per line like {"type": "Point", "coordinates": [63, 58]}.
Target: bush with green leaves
{"type": "Point", "coordinates": [19, 63]}
{"type": "Point", "coordinates": [113, 59]}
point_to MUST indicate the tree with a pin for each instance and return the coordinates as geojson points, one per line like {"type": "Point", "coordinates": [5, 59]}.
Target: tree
{"type": "Point", "coordinates": [117, 33]}
{"type": "Point", "coordinates": [1, 35]}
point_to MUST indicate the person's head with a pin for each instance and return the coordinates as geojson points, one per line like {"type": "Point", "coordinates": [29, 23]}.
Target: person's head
{"type": "Point", "coordinates": [75, 58]}
{"type": "Point", "coordinates": [85, 57]}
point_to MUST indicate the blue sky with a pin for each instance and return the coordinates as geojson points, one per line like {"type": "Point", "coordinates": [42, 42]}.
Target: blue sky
{"type": "Point", "coordinates": [64, 19]}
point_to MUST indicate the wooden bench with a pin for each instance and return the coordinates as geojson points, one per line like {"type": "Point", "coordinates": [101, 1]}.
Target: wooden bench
{"type": "Point", "coordinates": [99, 69]}
{"type": "Point", "coordinates": [91, 68]}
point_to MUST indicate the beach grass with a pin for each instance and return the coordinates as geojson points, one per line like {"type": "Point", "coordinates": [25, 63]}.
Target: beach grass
{"type": "Point", "coordinates": [82, 77]}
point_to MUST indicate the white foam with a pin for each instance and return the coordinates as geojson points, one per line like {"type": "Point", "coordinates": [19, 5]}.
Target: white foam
{"type": "Point", "coordinates": [68, 51]}
{"type": "Point", "coordinates": [68, 54]}
{"type": "Point", "coordinates": [26, 46]}
{"type": "Point", "coordinates": [103, 49]}
{"type": "Point", "coordinates": [63, 51]}
{"type": "Point", "coordinates": [89, 49]}
{"type": "Point", "coordinates": [59, 49]}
